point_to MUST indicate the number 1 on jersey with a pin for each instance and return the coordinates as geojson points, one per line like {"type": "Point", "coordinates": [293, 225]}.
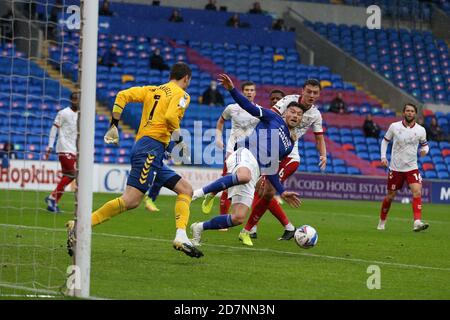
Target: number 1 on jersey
{"type": "Point", "coordinates": [156, 97]}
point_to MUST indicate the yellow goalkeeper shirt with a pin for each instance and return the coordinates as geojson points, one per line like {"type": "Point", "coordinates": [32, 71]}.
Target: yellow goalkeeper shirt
{"type": "Point", "coordinates": [163, 109]}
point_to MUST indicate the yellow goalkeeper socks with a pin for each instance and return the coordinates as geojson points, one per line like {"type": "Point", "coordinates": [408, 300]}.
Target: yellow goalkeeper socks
{"type": "Point", "coordinates": [108, 210]}
{"type": "Point", "coordinates": [182, 211]}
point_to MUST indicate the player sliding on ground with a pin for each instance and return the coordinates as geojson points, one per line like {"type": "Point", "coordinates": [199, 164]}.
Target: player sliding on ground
{"type": "Point", "coordinates": [163, 109]}
{"type": "Point", "coordinates": [242, 125]}
{"type": "Point", "coordinates": [407, 136]}
{"type": "Point", "coordinates": [264, 197]}
{"type": "Point", "coordinates": [244, 164]}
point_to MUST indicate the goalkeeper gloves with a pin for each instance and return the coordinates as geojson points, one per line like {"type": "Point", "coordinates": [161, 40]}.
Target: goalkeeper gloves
{"type": "Point", "coordinates": [175, 146]}
{"type": "Point", "coordinates": [112, 135]}
{"type": "Point", "coordinates": [184, 151]}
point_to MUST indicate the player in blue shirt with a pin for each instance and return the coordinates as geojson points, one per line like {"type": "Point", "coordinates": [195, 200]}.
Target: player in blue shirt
{"type": "Point", "coordinates": [259, 154]}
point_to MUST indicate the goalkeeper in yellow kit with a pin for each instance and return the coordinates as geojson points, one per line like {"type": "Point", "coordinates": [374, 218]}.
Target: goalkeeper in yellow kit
{"type": "Point", "coordinates": [163, 109]}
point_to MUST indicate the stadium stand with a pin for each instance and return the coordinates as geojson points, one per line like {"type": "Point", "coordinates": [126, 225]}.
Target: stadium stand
{"type": "Point", "coordinates": [268, 65]}
{"type": "Point", "coordinates": [400, 9]}
{"type": "Point", "coordinates": [414, 61]}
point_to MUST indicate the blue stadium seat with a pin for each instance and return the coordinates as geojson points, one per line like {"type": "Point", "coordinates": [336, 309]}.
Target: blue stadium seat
{"type": "Point", "coordinates": [340, 170]}
{"type": "Point", "coordinates": [359, 140]}
{"type": "Point", "coordinates": [332, 130]}
{"type": "Point", "coordinates": [371, 141]}
{"type": "Point", "coordinates": [443, 175]}
{"type": "Point", "coordinates": [309, 145]}
{"type": "Point", "coordinates": [434, 151]}
{"type": "Point", "coordinates": [352, 170]}
{"type": "Point", "coordinates": [312, 168]}
{"type": "Point", "coordinates": [361, 148]}
{"type": "Point", "coordinates": [440, 167]}
{"type": "Point", "coordinates": [357, 132]}
{"type": "Point", "coordinates": [347, 139]}
{"type": "Point", "coordinates": [430, 174]}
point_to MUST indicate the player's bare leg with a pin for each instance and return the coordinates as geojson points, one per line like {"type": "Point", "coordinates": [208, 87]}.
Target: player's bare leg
{"type": "Point", "coordinates": [419, 225]}
{"type": "Point", "coordinates": [386, 205]}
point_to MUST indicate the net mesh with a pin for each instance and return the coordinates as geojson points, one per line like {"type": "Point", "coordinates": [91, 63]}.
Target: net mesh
{"type": "Point", "coordinates": [36, 60]}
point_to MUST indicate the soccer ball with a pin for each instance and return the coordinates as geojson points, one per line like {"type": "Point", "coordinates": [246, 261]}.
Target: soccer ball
{"type": "Point", "coordinates": [306, 236]}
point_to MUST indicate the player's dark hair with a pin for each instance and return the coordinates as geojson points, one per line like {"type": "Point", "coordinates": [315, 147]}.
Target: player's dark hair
{"type": "Point", "coordinates": [179, 70]}
{"type": "Point", "coordinates": [247, 84]}
{"type": "Point", "coordinates": [295, 104]}
{"type": "Point", "coordinates": [277, 91]}
{"type": "Point", "coordinates": [312, 82]}
{"type": "Point", "coordinates": [409, 104]}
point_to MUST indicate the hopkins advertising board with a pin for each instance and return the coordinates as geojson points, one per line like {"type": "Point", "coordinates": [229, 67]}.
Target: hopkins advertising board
{"type": "Point", "coordinates": [44, 175]}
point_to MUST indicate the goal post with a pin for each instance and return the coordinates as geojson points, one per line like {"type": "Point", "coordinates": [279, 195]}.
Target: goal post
{"type": "Point", "coordinates": [88, 76]}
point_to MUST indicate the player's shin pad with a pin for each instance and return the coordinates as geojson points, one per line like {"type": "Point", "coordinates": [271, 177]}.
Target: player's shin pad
{"type": "Point", "coordinates": [182, 211]}
{"type": "Point", "coordinates": [108, 210]}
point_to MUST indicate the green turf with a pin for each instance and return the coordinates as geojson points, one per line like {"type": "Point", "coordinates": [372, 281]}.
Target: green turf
{"type": "Point", "coordinates": [132, 255]}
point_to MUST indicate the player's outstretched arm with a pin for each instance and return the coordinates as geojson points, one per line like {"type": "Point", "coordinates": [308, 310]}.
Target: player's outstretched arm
{"type": "Point", "coordinates": [242, 101]}
{"type": "Point", "coordinates": [292, 198]}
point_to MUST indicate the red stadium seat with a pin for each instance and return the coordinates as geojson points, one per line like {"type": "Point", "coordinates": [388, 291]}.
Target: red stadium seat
{"type": "Point", "coordinates": [446, 153]}
{"type": "Point", "coordinates": [427, 113]}
{"type": "Point", "coordinates": [348, 146]}
{"type": "Point", "coordinates": [427, 166]}
{"type": "Point", "coordinates": [376, 164]}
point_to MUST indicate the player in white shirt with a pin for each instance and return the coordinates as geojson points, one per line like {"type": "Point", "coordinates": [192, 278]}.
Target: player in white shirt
{"type": "Point", "coordinates": [242, 125]}
{"type": "Point", "coordinates": [406, 135]}
{"type": "Point", "coordinates": [311, 119]}
{"type": "Point", "coordinates": [65, 126]}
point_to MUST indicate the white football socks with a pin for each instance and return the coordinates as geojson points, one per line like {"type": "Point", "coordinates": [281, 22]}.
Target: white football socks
{"type": "Point", "coordinates": [289, 227]}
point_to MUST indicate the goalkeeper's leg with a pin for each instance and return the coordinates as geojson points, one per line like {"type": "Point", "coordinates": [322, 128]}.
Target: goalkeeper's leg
{"type": "Point", "coordinates": [171, 180]}
{"type": "Point", "coordinates": [146, 161]}
{"type": "Point", "coordinates": [130, 199]}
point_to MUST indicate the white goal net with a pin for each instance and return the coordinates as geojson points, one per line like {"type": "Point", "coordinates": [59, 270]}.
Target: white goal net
{"type": "Point", "coordinates": [38, 56]}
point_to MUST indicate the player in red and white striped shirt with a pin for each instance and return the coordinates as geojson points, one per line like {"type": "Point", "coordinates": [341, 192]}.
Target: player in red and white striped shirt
{"type": "Point", "coordinates": [406, 135]}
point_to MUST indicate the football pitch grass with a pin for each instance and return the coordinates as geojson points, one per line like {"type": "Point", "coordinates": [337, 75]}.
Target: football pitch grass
{"type": "Point", "coordinates": [133, 258]}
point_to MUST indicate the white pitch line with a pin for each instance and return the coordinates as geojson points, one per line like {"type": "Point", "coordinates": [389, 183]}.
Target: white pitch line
{"type": "Point", "coordinates": [375, 217]}
{"type": "Point", "coordinates": [45, 293]}
{"type": "Point", "coordinates": [413, 266]}
{"type": "Point", "coordinates": [401, 265]}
